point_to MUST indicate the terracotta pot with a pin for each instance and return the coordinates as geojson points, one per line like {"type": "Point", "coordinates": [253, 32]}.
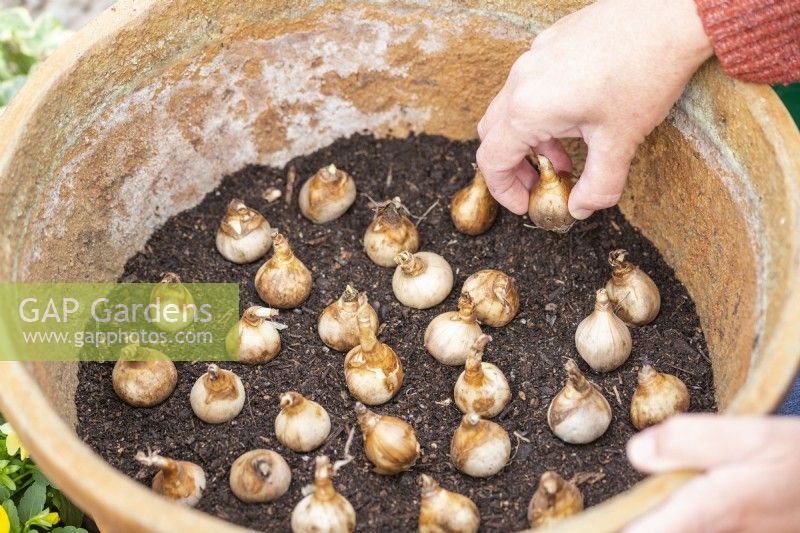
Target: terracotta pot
{"type": "Point", "coordinates": [144, 111]}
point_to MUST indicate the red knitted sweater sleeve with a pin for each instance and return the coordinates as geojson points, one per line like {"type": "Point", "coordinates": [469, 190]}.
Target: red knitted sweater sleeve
{"type": "Point", "coordinates": [755, 40]}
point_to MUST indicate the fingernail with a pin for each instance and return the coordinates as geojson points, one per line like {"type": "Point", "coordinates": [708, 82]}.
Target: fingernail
{"type": "Point", "coordinates": [642, 450]}
{"type": "Point", "coordinates": [580, 213]}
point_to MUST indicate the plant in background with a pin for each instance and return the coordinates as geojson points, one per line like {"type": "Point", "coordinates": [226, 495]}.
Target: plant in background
{"type": "Point", "coordinates": [28, 501]}
{"type": "Point", "coordinates": [24, 42]}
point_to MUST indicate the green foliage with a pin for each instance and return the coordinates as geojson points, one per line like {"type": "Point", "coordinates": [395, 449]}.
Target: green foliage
{"type": "Point", "coordinates": [24, 42]}
{"type": "Point", "coordinates": [29, 501]}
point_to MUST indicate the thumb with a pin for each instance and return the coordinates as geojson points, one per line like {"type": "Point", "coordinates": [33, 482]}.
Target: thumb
{"type": "Point", "coordinates": [702, 442]}
{"type": "Point", "coordinates": [603, 178]}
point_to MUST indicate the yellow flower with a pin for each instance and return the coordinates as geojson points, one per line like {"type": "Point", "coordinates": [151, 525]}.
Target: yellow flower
{"type": "Point", "coordinates": [13, 444]}
{"type": "Point", "coordinates": [5, 525]}
{"type": "Point", "coordinates": [53, 518]}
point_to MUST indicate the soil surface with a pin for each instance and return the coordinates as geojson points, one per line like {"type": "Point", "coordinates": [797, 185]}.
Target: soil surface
{"type": "Point", "coordinates": [557, 277]}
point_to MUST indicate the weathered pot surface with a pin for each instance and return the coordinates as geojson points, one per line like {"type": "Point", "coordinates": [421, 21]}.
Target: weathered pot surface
{"type": "Point", "coordinates": [147, 108]}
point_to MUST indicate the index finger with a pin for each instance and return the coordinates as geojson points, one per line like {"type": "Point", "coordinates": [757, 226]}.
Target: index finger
{"type": "Point", "coordinates": [501, 158]}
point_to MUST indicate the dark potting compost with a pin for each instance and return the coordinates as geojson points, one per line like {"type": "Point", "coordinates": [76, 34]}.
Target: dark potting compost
{"type": "Point", "coordinates": [557, 276]}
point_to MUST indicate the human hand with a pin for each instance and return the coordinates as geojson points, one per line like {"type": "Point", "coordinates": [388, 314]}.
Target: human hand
{"type": "Point", "coordinates": [608, 73]}
{"type": "Point", "coordinates": [751, 479]}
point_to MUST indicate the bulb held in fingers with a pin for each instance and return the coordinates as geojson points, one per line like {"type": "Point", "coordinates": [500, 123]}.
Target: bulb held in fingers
{"type": "Point", "coordinates": [579, 413]}
{"type": "Point", "coordinates": [548, 204]}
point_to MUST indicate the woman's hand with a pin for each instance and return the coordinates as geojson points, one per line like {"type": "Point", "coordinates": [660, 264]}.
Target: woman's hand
{"type": "Point", "coordinates": [608, 73]}
{"type": "Point", "coordinates": [751, 479]}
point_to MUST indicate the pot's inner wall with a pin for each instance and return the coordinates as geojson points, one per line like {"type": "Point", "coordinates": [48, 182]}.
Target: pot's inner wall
{"type": "Point", "coordinates": [281, 87]}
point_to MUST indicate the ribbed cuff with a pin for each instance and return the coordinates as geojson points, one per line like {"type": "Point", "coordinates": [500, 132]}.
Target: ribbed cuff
{"type": "Point", "coordinates": [755, 40]}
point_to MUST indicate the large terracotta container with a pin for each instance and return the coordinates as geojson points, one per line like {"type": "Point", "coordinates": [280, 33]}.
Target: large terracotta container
{"type": "Point", "coordinates": [146, 109]}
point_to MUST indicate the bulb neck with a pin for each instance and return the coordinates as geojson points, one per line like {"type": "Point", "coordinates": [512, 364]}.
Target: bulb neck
{"type": "Point", "coordinates": [429, 487]}
{"type": "Point", "coordinates": [291, 402]}
{"type": "Point", "coordinates": [466, 309]}
{"type": "Point", "coordinates": [647, 376]}
{"type": "Point", "coordinates": [323, 486]}
{"type": "Point", "coordinates": [282, 250]}
{"type": "Point", "coordinates": [262, 467]}
{"type": "Point", "coordinates": [547, 174]}
{"type": "Point", "coordinates": [471, 421]}
{"type": "Point", "coordinates": [620, 267]}
{"type": "Point", "coordinates": [350, 300]}
{"type": "Point", "coordinates": [601, 302]}
{"type": "Point", "coordinates": [366, 418]}
{"type": "Point", "coordinates": [412, 265]}
{"type": "Point", "coordinates": [473, 369]}
{"type": "Point", "coordinates": [366, 336]}
{"type": "Point", "coordinates": [575, 378]}
{"type": "Point", "coordinates": [329, 174]}
{"type": "Point", "coordinates": [171, 277]}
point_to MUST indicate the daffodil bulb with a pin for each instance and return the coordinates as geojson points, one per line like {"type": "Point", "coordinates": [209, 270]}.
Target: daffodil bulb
{"type": "Point", "coordinates": [283, 281]}
{"type": "Point", "coordinates": [327, 195]}
{"type": "Point", "coordinates": [389, 233]}
{"type": "Point", "coordinates": [244, 234]}
{"type": "Point", "coordinates": [480, 448]}
{"type": "Point", "coordinates": [474, 210]}
{"type": "Point", "coordinates": [449, 337]}
{"type": "Point", "coordinates": [602, 339]}
{"type": "Point", "coordinates": [179, 481]}
{"type": "Point", "coordinates": [338, 323]}
{"type": "Point", "coordinates": [554, 500]}
{"type": "Point", "coordinates": [658, 397]}
{"type": "Point", "coordinates": [389, 442]}
{"type": "Point", "coordinates": [324, 510]}
{"type": "Point", "coordinates": [174, 304]}
{"type": "Point", "coordinates": [421, 280]}
{"type": "Point", "coordinates": [633, 292]}
{"type": "Point", "coordinates": [217, 396]}
{"type": "Point", "coordinates": [372, 370]}
{"type": "Point", "coordinates": [259, 476]}
{"type": "Point", "coordinates": [143, 377]}
{"type": "Point", "coordinates": [255, 339]}
{"type": "Point", "coordinates": [302, 425]}
{"type": "Point", "coordinates": [495, 296]}
{"type": "Point", "coordinates": [481, 388]}
{"type": "Point", "coordinates": [579, 413]}
{"type": "Point", "coordinates": [443, 511]}
{"type": "Point", "coordinates": [547, 206]}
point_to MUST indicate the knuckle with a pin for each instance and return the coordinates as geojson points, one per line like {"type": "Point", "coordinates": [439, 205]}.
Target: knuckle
{"type": "Point", "coordinates": [596, 200]}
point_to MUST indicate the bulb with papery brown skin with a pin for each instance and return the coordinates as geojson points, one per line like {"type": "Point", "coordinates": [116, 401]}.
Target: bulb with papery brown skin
{"type": "Point", "coordinates": [255, 339]}
{"type": "Point", "coordinates": [554, 500]}
{"type": "Point", "coordinates": [324, 510]}
{"type": "Point", "coordinates": [421, 280]}
{"type": "Point", "coordinates": [494, 295]}
{"type": "Point", "coordinates": [174, 304]}
{"type": "Point", "coordinates": [474, 209]}
{"type": "Point", "coordinates": [548, 204]}
{"type": "Point", "coordinates": [481, 388]}
{"type": "Point", "coordinates": [443, 511]}
{"type": "Point", "coordinates": [633, 293]}
{"type": "Point", "coordinates": [179, 481]}
{"type": "Point", "coordinates": [338, 323]}
{"type": "Point", "coordinates": [283, 281]}
{"type": "Point", "coordinates": [658, 397]}
{"type": "Point", "coordinates": [389, 442]}
{"type": "Point", "coordinates": [389, 233]}
{"type": "Point", "coordinates": [327, 195]}
{"type": "Point", "coordinates": [450, 336]}
{"type": "Point", "coordinates": [480, 448]}
{"type": "Point", "coordinates": [143, 377]}
{"type": "Point", "coordinates": [579, 413]}
{"type": "Point", "coordinates": [259, 476]}
{"type": "Point", "coordinates": [302, 425]}
{"type": "Point", "coordinates": [372, 370]}
{"type": "Point", "coordinates": [244, 234]}
{"type": "Point", "coordinates": [602, 339]}
{"type": "Point", "coordinates": [217, 396]}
